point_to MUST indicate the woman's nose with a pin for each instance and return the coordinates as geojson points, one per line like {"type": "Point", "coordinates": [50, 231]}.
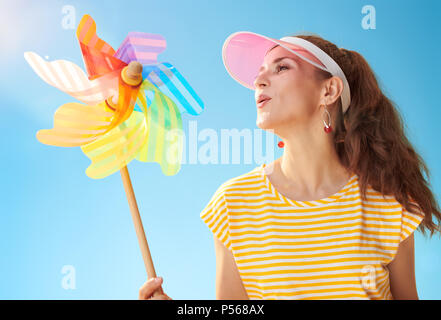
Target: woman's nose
{"type": "Point", "coordinates": [260, 80]}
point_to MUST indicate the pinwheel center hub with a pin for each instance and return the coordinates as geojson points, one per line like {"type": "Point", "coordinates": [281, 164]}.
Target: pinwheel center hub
{"type": "Point", "coordinates": [132, 74]}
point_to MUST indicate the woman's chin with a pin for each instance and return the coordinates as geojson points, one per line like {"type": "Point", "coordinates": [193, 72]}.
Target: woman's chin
{"type": "Point", "coordinates": [264, 125]}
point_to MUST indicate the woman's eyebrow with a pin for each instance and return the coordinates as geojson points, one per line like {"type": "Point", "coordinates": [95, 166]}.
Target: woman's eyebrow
{"type": "Point", "coordinates": [278, 59]}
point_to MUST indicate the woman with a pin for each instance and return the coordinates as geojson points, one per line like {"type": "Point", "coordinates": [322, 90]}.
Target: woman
{"type": "Point", "coordinates": [333, 218]}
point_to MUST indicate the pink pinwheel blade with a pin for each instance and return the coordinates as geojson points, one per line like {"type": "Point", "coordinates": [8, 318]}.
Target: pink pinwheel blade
{"type": "Point", "coordinates": [142, 47]}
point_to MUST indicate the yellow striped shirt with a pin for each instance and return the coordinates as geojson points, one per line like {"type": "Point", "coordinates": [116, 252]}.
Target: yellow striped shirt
{"type": "Point", "coordinates": [333, 248]}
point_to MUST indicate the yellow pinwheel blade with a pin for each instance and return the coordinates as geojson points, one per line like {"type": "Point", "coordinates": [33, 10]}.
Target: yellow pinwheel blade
{"type": "Point", "coordinates": [76, 124]}
{"type": "Point", "coordinates": [117, 148]}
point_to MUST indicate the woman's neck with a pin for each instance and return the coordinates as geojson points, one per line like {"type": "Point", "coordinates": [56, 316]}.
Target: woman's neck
{"type": "Point", "coordinates": [310, 168]}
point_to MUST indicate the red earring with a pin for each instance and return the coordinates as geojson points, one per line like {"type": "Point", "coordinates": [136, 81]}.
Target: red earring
{"type": "Point", "coordinates": [281, 144]}
{"type": "Point", "coordinates": [327, 127]}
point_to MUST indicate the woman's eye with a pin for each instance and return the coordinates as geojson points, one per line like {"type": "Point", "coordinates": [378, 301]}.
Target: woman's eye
{"type": "Point", "coordinates": [280, 67]}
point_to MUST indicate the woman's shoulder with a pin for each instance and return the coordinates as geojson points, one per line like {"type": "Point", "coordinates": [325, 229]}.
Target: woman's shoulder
{"type": "Point", "coordinates": [376, 200]}
{"type": "Point", "coordinates": [232, 187]}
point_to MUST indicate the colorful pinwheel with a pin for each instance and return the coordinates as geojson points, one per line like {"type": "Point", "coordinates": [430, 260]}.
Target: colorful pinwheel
{"type": "Point", "coordinates": [118, 122]}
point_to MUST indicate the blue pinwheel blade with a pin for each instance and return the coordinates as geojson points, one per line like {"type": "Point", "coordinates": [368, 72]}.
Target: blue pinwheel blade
{"type": "Point", "coordinates": [171, 82]}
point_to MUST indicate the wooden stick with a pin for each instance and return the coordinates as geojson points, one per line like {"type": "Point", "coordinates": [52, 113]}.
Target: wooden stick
{"type": "Point", "coordinates": [148, 262]}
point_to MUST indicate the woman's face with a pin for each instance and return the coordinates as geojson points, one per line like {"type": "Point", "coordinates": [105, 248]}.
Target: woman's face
{"type": "Point", "coordinates": [294, 90]}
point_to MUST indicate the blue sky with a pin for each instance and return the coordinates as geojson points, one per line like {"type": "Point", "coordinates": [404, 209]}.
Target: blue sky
{"type": "Point", "coordinates": [53, 215]}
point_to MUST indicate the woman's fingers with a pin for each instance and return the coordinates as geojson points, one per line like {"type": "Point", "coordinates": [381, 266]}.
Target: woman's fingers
{"type": "Point", "coordinates": [149, 287]}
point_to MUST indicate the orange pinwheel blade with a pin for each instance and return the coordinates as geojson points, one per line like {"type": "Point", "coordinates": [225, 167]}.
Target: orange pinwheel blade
{"type": "Point", "coordinates": [98, 55]}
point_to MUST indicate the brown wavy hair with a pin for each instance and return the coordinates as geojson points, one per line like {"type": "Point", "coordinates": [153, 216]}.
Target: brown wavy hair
{"type": "Point", "coordinates": [370, 138]}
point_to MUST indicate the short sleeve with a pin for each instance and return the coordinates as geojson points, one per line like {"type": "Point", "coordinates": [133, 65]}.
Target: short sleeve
{"type": "Point", "coordinates": [410, 221]}
{"type": "Point", "coordinates": [215, 216]}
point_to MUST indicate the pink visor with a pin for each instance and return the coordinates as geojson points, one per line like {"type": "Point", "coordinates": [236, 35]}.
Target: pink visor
{"type": "Point", "coordinates": [243, 54]}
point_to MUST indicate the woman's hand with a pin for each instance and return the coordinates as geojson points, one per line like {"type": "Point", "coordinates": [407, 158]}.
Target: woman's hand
{"type": "Point", "coordinates": [149, 287]}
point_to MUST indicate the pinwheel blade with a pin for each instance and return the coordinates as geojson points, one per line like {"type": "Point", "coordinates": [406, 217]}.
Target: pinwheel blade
{"type": "Point", "coordinates": [117, 148]}
{"type": "Point", "coordinates": [164, 141]}
{"type": "Point", "coordinates": [171, 83]}
{"type": "Point", "coordinates": [98, 55]}
{"type": "Point", "coordinates": [76, 124]}
{"type": "Point", "coordinates": [70, 78]}
{"type": "Point", "coordinates": [142, 47]}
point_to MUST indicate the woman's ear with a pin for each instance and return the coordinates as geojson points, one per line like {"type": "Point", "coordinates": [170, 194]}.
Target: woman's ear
{"type": "Point", "coordinates": [335, 88]}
